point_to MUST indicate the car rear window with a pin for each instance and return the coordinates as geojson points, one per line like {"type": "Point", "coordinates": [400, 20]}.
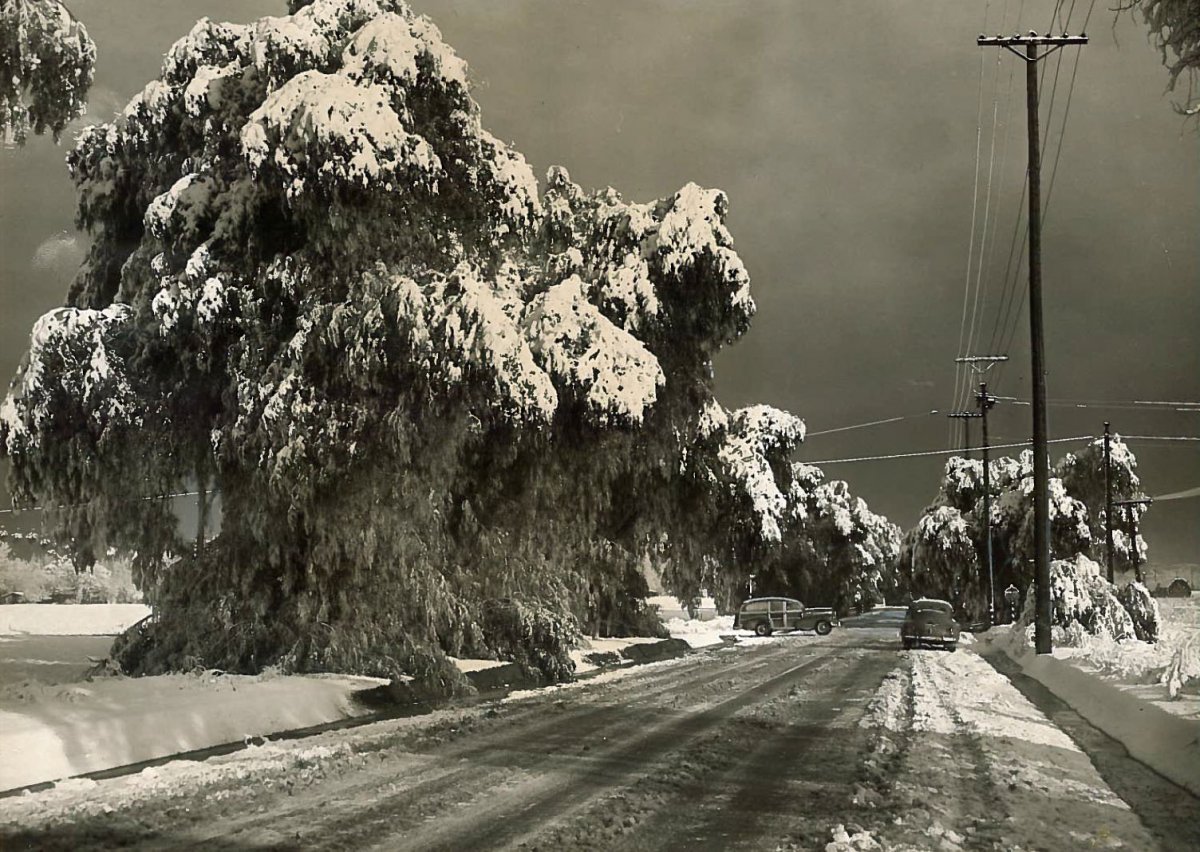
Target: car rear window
{"type": "Point", "coordinates": [754, 606]}
{"type": "Point", "coordinates": [931, 606]}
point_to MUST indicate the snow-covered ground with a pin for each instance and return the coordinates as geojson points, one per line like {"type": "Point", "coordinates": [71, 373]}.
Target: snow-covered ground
{"type": "Point", "coordinates": [1166, 673]}
{"type": "Point", "coordinates": [63, 730]}
{"type": "Point", "coordinates": [1125, 688]}
{"type": "Point", "coordinates": [960, 759]}
{"type": "Point", "coordinates": [69, 619]}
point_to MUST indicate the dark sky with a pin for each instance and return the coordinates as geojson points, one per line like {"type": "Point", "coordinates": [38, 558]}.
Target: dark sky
{"type": "Point", "coordinates": [845, 136]}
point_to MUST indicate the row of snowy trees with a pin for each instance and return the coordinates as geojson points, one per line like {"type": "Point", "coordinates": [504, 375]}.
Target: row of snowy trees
{"type": "Point", "coordinates": [945, 554]}
{"type": "Point", "coordinates": [447, 409]}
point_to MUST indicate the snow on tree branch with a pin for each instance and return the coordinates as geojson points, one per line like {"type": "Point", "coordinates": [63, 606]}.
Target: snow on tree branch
{"type": "Point", "coordinates": [46, 66]}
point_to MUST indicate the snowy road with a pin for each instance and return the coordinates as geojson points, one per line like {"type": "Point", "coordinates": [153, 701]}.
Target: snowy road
{"type": "Point", "coordinates": [841, 742]}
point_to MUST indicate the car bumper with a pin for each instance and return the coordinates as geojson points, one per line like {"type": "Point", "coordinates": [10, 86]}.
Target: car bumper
{"type": "Point", "coordinates": [929, 640]}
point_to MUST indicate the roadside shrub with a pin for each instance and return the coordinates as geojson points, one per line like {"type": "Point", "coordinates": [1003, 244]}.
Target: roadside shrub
{"type": "Point", "coordinates": [533, 634]}
{"type": "Point", "coordinates": [1143, 611]}
{"type": "Point", "coordinates": [1082, 599]}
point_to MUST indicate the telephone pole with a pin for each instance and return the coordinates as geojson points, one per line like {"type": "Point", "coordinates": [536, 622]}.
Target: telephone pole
{"type": "Point", "coordinates": [1041, 454]}
{"type": "Point", "coordinates": [967, 417]}
{"type": "Point", "coordinates": [985, 403]}
{"type": "Point", "coordinates": [1130, 507]}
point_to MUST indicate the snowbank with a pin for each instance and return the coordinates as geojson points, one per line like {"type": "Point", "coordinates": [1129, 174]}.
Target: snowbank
{"type": "Point", "coordinates": [1167, 743]}
{"type": "Point", "coordinates": [69, 619]}
{"type": "Point", "coordinates": [53, 732]}
{"type": "Point", "coordinates": [701, 633]}
{"type": "Point", "coordinates": [47, 733]}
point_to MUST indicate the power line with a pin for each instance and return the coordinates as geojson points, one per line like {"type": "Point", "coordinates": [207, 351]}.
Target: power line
{"type": "Point", "coordinates": [1128, 405]}
{"type": "Point", "coordinates": [871, 423]}
{"type": "Point", "coordinates": [962, 324]}
{"type": "Point", "coordinates": [1160, 438]}
{"type": "Point", "coordinates": [946, 452]}
{"type": "Point", "coordinates": [1011, 330]}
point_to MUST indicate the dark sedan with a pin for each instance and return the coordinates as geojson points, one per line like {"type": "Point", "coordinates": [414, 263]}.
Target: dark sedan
{"type": "Point", "coordinates": [929, 622]}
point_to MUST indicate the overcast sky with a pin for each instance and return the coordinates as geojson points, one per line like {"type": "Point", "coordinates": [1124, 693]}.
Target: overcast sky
{"type": "Point", "coordinates": [845, 135]}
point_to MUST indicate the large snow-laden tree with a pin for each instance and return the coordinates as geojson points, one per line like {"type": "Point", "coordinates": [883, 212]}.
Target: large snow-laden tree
{"type": "Point", "coordinates": [46, 65]}
{"type": "Point", "coordinates": [955, 522]}
{"type": "Point", "coordinates": [831, 549]}
{"type": "Point", "coordinates": [421, 385]}
{"type": "Point", "coordinates": [1082, 474]}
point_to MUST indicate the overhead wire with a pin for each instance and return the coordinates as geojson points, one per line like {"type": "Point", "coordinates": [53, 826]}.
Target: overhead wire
{"type": "Point", "coordinates": [962, 326]}
{"type": "Point", "coordinates": [872, 423]}
{"type": "Point", "coordinates": [1010, 330]}
{"type": "Point", "coordinates": [987, 210]}
{"type": "Point", "coordinates": [919, 454]}
{"type": "Point", "coordinates": [1066, 113]}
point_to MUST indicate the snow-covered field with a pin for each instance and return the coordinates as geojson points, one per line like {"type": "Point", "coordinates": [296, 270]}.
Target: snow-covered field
{"type": "Point", "coordinates": [69, 619]}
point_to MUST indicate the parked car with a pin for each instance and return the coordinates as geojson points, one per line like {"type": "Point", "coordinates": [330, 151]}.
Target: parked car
{"type": "Point", "coordinates": [929, 621]}
{"type": "Point", "coordinates": [766, 615]}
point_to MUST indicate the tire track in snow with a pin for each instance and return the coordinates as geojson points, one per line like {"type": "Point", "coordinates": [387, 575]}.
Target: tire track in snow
{"type": "Point", "coordinates": [364, 805]}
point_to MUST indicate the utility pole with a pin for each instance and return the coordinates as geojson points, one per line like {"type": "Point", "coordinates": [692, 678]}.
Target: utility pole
{"type": "Point", "coordinates": [1108, 503]}
{"type": "Point", "coordinates": [1041, 450]}
{"type": "Point", "coordinates": [985, 403]}
{"type": "Point", "coordinates": [1131, 517]}
{"type": "Point", "coordinates": [966, 416]}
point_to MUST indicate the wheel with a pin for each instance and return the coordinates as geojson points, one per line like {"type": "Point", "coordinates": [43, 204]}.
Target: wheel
{"type": "Point", "coordinates": [762, 629]}
{"type": "Point", "coordinates": [823, 628]}
{"type": "Point", "coordinates": [908, 644]}
{"type": "Point", "coordinates": [952, 647]}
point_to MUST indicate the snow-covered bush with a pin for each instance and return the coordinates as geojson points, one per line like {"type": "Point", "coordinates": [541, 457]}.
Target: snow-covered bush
{"type": "Point", "coordinates": [529, 633]}
{"type": "Point", "coordinates": [1182, 673]}
{"type": "Point", "coordinates": [1081, 597]}
{"type": "Point", "coordinates": [1143, 611]}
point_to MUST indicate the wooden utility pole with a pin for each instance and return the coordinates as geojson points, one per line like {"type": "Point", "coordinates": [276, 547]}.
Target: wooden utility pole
{"type": "Point", "coordinates": [966, 417]}
{"type": "Point", "coordinates": [985, 403]}
{"type": "Point", "coordinates": [1041, 453]}
{"type": "Point", "coordinates": [1131, 517]}
{"type": "Point", "coordinates": [1108, 503]}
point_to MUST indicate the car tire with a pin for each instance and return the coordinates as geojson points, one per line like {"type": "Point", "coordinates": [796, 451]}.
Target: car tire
{"type": "Point", "coordinates": [823, 628]}
{"type": "Point", "coordinates": [952, 647]}
{"type": "Point", "coordinates": [908, 644]}
{"type": "Point", "coordinates": [762, 629]}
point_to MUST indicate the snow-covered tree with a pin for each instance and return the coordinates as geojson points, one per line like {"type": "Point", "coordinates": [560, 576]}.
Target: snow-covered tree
{"type": "Point", "coordinates": [1082, 599]}
{"type": "Point", "coordinates": [956, 568]}
{"type": "Point", "coordinates": [421, 384]}
{"type": "Point", "coordinates": [46, 63]}
{"type": "Point", "coordinates": [1082, 475]}
{"type": "Point", "coordinates": [1175, 30]}
{"type": "Point", "coordinates": [833, 550]}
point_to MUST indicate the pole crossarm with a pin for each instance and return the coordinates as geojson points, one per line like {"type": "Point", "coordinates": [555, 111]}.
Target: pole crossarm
{"type": "Point", "coordinates": [1011, 43]}
{"type": "Point", "coordinates": [1141, 501]}
{"type": "Point", "coordinates": [981, 363]}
